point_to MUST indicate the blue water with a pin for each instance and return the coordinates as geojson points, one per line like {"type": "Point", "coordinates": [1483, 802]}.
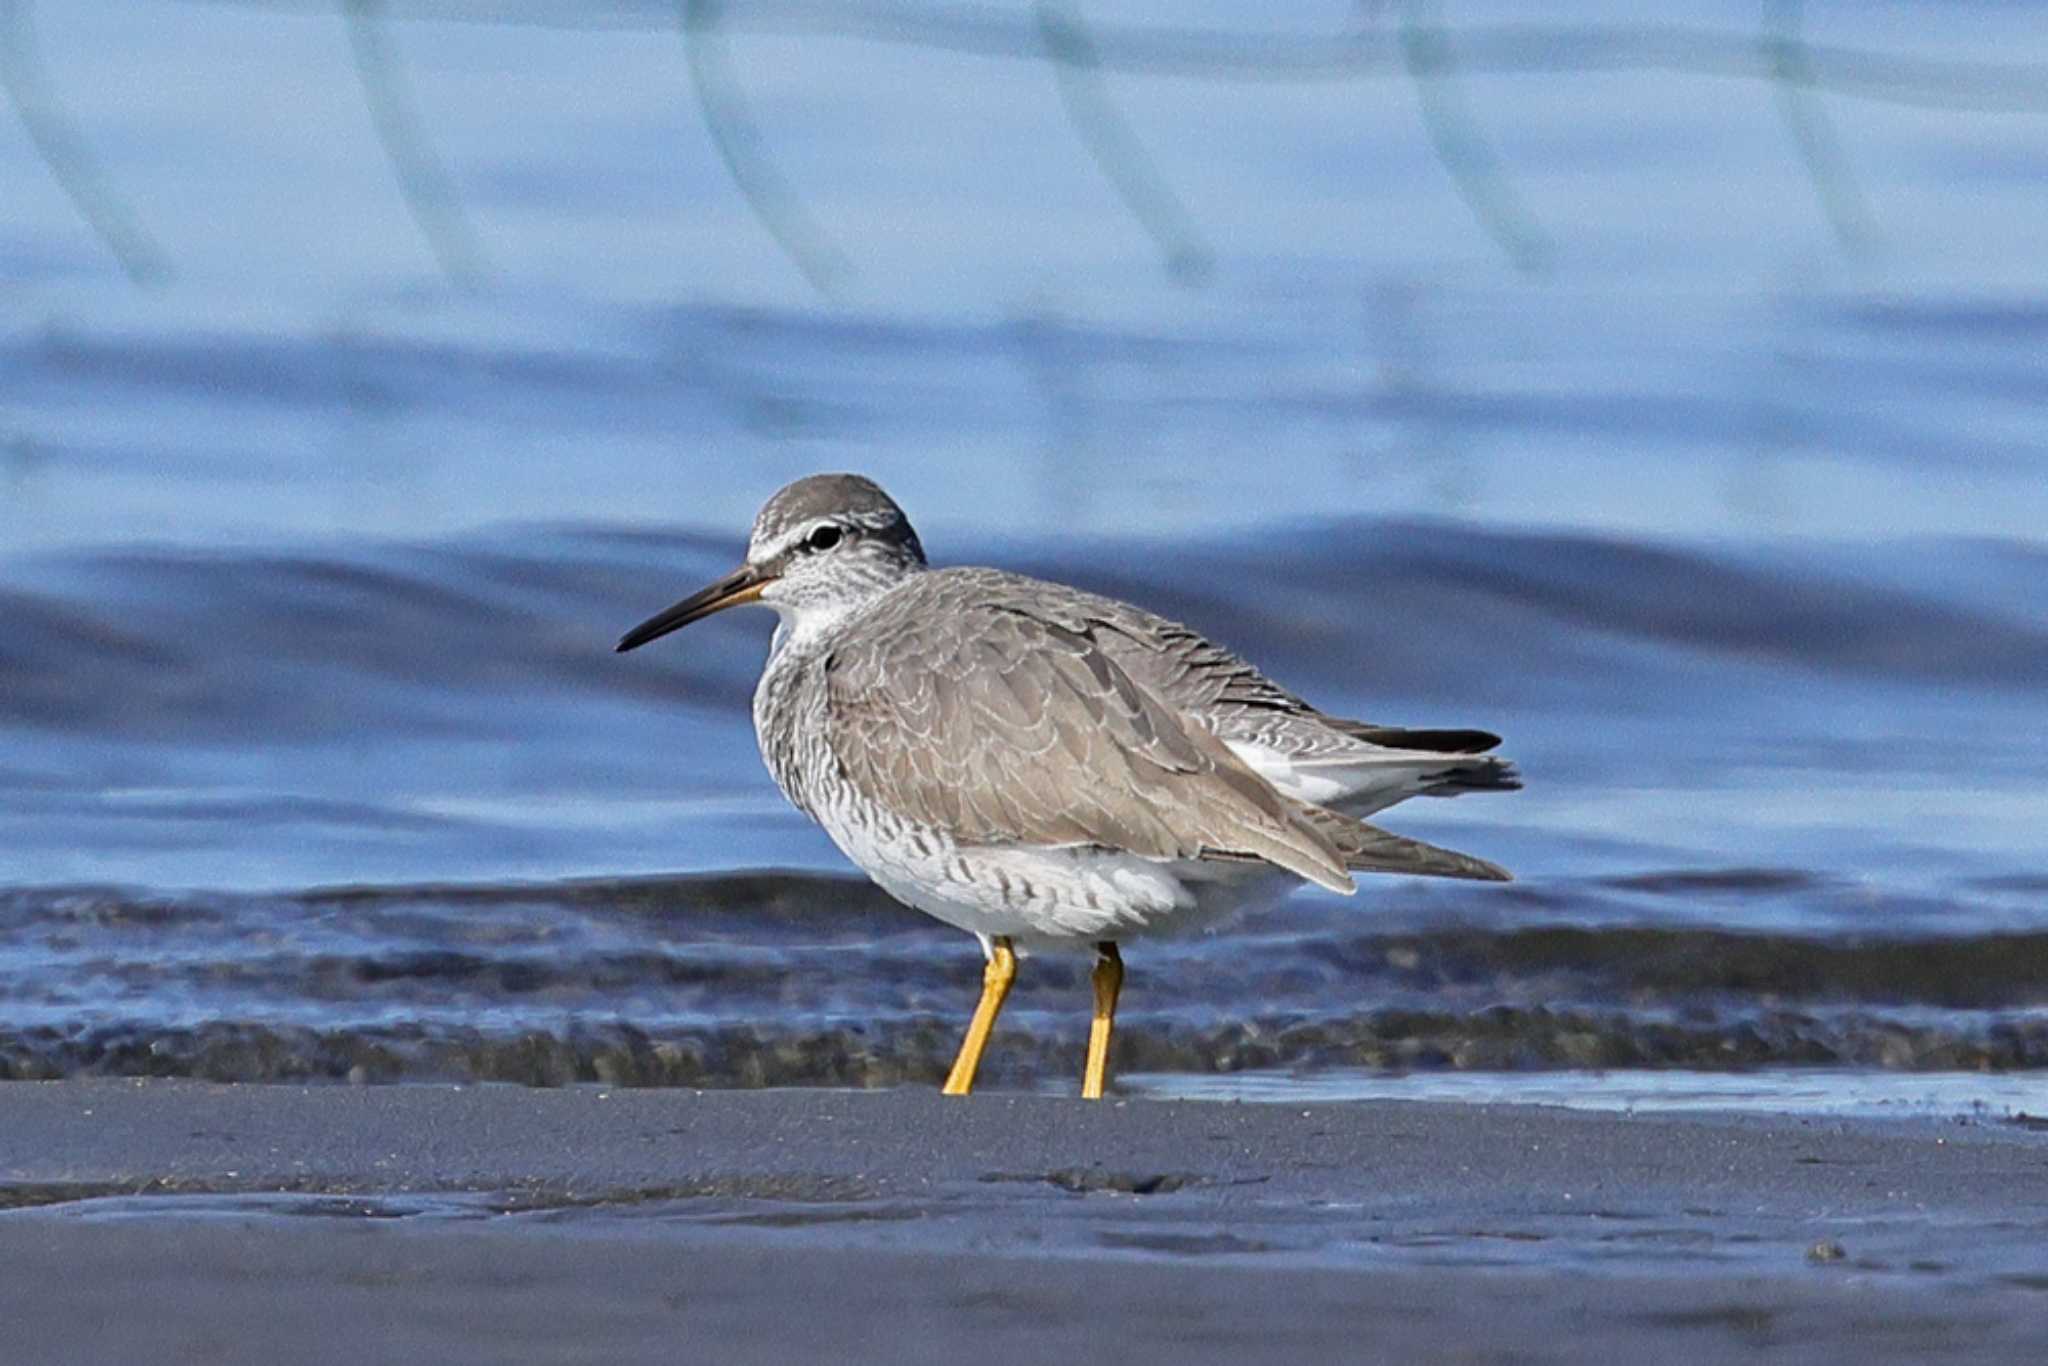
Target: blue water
{"type": "Point", "coordinates": [1681, 425]}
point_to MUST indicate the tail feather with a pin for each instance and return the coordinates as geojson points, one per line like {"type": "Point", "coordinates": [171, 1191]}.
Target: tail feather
{"type": "Point", "coordinates": [1431, 741]}
{"type": "Point", "coordinates": [1475, 775]}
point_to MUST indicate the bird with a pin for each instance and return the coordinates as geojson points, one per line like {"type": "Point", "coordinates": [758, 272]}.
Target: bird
{"type": "Point", "coordinates": [1049, 768]}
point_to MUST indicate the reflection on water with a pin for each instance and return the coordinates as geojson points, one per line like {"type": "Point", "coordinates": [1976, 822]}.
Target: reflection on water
{"type": "Point", "coordinates": [1972, 1096]}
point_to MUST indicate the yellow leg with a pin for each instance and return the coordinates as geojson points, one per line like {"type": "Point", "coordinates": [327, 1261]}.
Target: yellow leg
{"type": "Point", "coordinates": [995, 985]}
{"type": "Point", "coordinates": [1108, 980]}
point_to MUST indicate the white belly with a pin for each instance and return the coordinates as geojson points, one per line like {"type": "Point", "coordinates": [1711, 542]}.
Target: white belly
{"type": "Point", "coordinates": [1048, 898]}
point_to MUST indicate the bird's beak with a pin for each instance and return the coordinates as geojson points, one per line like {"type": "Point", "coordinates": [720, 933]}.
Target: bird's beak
{"type": "Point", "coordinates": [743, 585]}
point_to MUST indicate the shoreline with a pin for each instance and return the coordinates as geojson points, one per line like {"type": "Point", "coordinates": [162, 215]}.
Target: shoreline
{"type": "Point", "coordinates": [506, 1224]}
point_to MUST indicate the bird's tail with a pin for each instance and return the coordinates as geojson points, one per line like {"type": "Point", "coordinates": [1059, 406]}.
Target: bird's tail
{"type": "Point", "coordinates": [1441, 763]}
{"type": "Point", "coordinates": [1480, 774]}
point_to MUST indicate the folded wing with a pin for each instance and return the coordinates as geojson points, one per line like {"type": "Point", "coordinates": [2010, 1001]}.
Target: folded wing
{"type": "Point", "coordinates": [998, 726]}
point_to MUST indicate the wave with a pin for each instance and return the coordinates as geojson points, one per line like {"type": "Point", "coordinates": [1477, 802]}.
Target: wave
{"type": "Point", "coordinates": [442, 636]}
{"type": "Point", "coordinates": [775, 978]}
{"type": "Point", "coordinates": [919, 1051]}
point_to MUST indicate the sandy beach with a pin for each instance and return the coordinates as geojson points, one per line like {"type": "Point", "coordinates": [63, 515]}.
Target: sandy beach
{"type": "Point", "coordinates": [179, 1221]}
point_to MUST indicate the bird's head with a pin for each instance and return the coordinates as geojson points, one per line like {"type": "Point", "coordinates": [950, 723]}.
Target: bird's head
{"type": "Point", "coordinates": [821, 547]}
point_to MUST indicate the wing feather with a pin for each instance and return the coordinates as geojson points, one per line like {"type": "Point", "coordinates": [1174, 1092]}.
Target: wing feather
{"type": "Point", "coordinates": [1006, 728]}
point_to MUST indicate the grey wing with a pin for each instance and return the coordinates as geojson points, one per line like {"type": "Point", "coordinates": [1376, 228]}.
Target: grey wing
{"type": "Point", "coordinates": [1369, 849]}
{"type": "Point", "coordinates": [1357, 766]}
{"type": "Point", "coordinates": [1197, 676]}
{"type": "Point", "coordinates": [999, 727]}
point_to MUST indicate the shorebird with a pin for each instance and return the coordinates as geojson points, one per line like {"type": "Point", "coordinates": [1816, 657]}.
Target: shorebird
{"type": "Point", "coordinates": [1044, 767]}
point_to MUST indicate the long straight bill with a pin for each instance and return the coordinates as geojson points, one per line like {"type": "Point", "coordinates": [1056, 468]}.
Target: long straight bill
{"type": "Point", "coordinates": [743, 585]}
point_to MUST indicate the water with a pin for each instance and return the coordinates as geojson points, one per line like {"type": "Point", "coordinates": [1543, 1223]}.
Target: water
{"type": "Point", "coordinates": [1999, 1097]}
{"type": "Point", "coordinates": [314, 759]}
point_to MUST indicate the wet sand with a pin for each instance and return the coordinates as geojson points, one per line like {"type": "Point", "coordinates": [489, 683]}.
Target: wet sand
{"type": "Point", "coordinates": [178, 1221]}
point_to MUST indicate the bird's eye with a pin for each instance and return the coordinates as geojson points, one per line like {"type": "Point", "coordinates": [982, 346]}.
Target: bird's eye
{"type": "Point", "coordinates": [824, 538]}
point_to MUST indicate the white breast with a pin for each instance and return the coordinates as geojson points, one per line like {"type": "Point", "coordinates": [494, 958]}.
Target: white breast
{"type": "Point", "coordinates": [1044, 898]}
